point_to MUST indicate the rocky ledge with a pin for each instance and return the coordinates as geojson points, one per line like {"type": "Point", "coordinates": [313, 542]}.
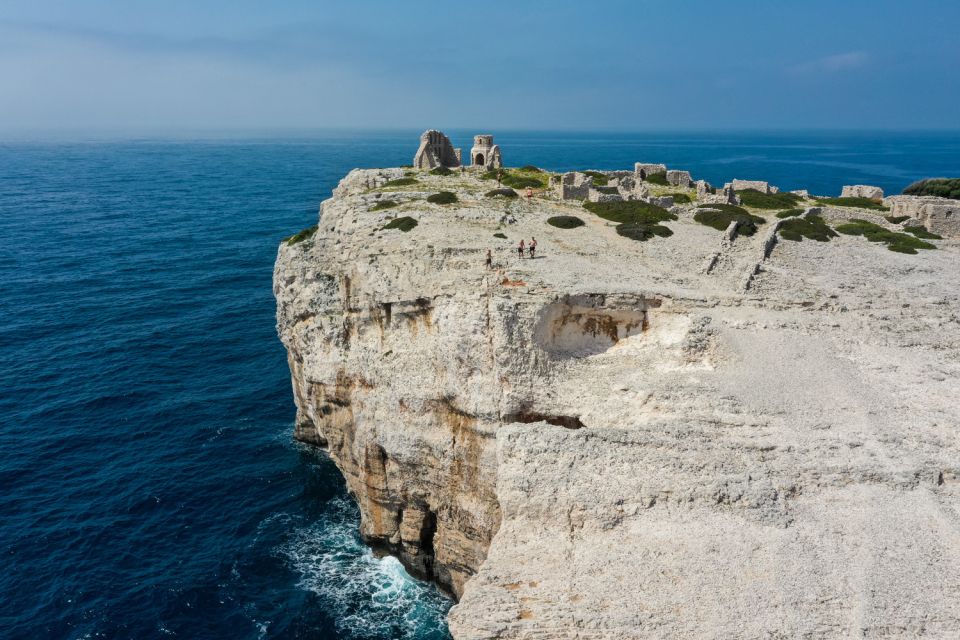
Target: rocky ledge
{"type": "Point", "coordinates": [703, 435]}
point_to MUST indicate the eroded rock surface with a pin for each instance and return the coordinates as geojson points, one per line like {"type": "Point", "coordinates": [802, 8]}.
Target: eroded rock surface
{"type": "Point", "coordinates": [612, 441]}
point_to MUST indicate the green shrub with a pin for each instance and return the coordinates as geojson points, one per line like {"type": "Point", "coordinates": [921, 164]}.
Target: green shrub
{"type": "Point", "coordinates": [406, 223]}
{"type": "Point", "coordinates": [565, 222]}
{"type": "Point", "coordinates": [899, 242]}
{"type": "Point", "coordinates": [607, 190]}
{"type": "Point", "coordinates": [643, 232]}
{"type": "Point", "coordinates": [897, 219]}
{"type": "Point", "coordinates": [517, 180]}
{"type": "Point", "coordinates": [443, 197]}
{"type": "Point", "coordinates": [789, 213]}
{"type": "Point", "coordinates": [383, 204]}
{"type": "Point", "coordinates": [401, 182]}
{"type": "Point", "coordinates": [530, 168]}
{"type": "Point", "coordinates": [657, 178]}
{"type": "Point", "coordinates": [943, 187]}
{"type": "Point", "coordinates": [861, 203]}
{"type": "Point", "coordinates": [306, 234]}
{"type": "Point", "coordinates": [629, 212]}
{"type": "Point", "coordinates": [599, 179]}
{"type": "Point", "coordinates": [500, 235]}
{"type": "Point", "coordinates": [813, 227]}
{"type": "Point", "coordinates": [680, 198]}
{"type": "Point", "coordinates": [921, 232]}
{"type": "Point", "coordinates": [440, 171]}
{"type": "Point", "coordinates": [719, 216]}
{"type": "Point", "coordinates": [506, 193]}
{"type": "Point", "coordinates": [760, 200]}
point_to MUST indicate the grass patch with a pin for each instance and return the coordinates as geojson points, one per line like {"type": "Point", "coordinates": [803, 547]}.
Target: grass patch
{"type": "Point", "coordinates": [406, 223]}
{"type": "Point", "coordinates": [760, 200]}
{"type": "Point", "coordinates": [920, 232]}
{"type": "Point", "coordinates": [383, 204]}
{"type": "Point", "coordinates": [565, 222]}
{"type": "Point", "coordinates": [401, 182]}
{"type": "Point", "coordinates": [789, 213]}
{"type": "Point", "coordinates": [629, 212]}
{"type": "Point", "coordinates": [943, 187]}
{"type": "Point", "coordinates": [502, 236]}
{"type": "Point", "coordinates": [599, 179]}
{"type": "Point", "coordinates": [529, 168]}
{"type": "Point", "coordinates": [896, 219]}
{"type": "Point", "coordinates": [814, 228]}
{"type": "Point", "coordinates": [443, 197]}
{"type": "Point", "coordinates": [657, 178]}
{"type": "Point", "coordinates": [518, 179]}
{"type": "Point", "coordinates": [306, 234]}
{"type": "Point", "coordinates": [681, 198]}
{"type": "Point", "coordinates": [860, 203]}
{"type": "Point", "coordinates": [440, 171]}
{"type": "Point", "coordinates": [899, 242]}
{"type": "Point", "coordinates": [719, 217]}
{"type": "Point", "coordinates": [505, 193]}
{"type": "Point", "coordinates": [643, 232]}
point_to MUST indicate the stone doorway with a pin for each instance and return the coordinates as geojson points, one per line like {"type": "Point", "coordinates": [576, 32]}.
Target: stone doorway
{"type": "Point", "coordinates": [478, 160]}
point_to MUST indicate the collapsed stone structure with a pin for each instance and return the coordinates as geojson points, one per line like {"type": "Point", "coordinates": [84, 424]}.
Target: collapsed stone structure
{"type": "Point", "coordinates": [862, 191]}
{"type": "Point", "coordinates": [757, 185]}
{"type": "Point", "coordinates": [484, 153]}
{"type": "Point", "coordinates": [435, 151]}
{"type": "Point", "coordinates": [938, 215]}
{"type": "Point", "coordinates": [644, 169]}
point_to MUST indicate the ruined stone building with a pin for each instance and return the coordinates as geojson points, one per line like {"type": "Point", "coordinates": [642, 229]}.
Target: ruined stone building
{"type": "Point", "coordinates": [484, 153]}
{"type": "Point", "coordinates": [436, 151]}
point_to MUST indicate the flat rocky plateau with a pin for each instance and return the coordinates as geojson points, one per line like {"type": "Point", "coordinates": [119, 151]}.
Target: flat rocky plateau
{"type": "Point", "coordinates": [614, 441]}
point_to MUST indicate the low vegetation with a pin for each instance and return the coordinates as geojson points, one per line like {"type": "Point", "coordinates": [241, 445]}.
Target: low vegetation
{"type": "Point", "coordinates": [813, 228]}
{"type": "Point", "coordinates": [860, 203]}
{"type": "Point", "coordinates": [680, 198]}
{"type": "Point", "coordinates": [565, 222]}
{"type": "Point", "coordinates": [529, 168]}
{"type": "Point", "coordinates": [899, 242]}
{"type": "Point", "coordinates": [942, 187]}
{"type": "Point", "coordinates": [657, 178]}
{"type": "Point", "coordinates": [719, 216]}
{"type": "Point", "coordinates": [503, 193]}
{"type": "Point", "coordinates": [440, 171]}
{"type": "Point", "coordinates": [921, 232]}
{"type": "Point", "coordinates": [401, 182]}
{"type": "Point", "coordinates": [442, 197]}
{"type": "Point", "coordinates": [789, 213]}
{"type": "Point", "coordinates": [306, 234]}
{"type": "Point", "coordinates": [896, 219]}
{"type": "Point", "coordinates": [383, 204]}
{"type": "Point", "coordinates": [502, 236]}
{"type": "Point", "coordinates": [599, 179]}
{"type": "Point", "coordinates": [406, 223]}
{"type": "Point", "coordinates": [518, 178]}
{"type": "Point", "coordinates": [760, 200]}
{"type": "Point", "coordinates": [607, 190]}
{"type": "Point", "coordinates": [635, 219]}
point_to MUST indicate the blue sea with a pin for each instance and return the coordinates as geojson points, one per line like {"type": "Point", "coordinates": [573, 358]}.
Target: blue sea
{"type": "Point", "coordinates": [150, 484]}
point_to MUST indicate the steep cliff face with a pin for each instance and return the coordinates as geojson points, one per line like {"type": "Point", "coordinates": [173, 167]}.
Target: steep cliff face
{"type": "Point", "coordinates": [613, 441]}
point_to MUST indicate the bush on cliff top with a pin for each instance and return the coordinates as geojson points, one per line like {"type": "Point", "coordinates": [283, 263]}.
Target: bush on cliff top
{"type": "Point", "coordinates": [789, 213]}
{"type": "Point", "coordinates": [629, 212]}
{"type": "Point", "coordinates": [504, 193]}
{"type": "Point", "coordinates": [383, 204]}
{"type": "Point", "coordinates": [400, 182]}
{"type": "Point", "coordinates": [565, 222]}
{"type": "Point", "coordinates": [517, 178]}
{"type": "Point", "coordinates": [406, 223]}
{"type": "Point", "coordinates": [599, 179]}
{"type": "Point", "coordinates": [719, 217]}
{"type": "Point", "coordinates": [442, 197]}
{"type": "Point", "coordinates": [643, 232]}
{"type": "Point", "coordinates": [760, 200]}
{"type": "Point", "coordinates": [502, 236]}
{"type": "Point", "coordinates": [680, 198]}
{"type": "Point", "coordinates": [440, 171]}
{"type": "Point", "coordinates": [896, 219]}
{"type": "Point", "coordinates": [860, 203]}
{"type": "Point", "coordinates": [942, 187]}
{"type": "Point", "coordinates": [531, 169]}
{"type": "Point", "coordinates": [899, 242]}
{"type": "Point", "coordinates": [921, 232]}
{"type": "Point", "coordinates": [306, 234]}
{"type": "Point", "coordinates": [814, 227]}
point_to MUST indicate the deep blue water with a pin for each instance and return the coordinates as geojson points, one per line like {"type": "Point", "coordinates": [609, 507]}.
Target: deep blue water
{"type": "Point", "coordinates": [150, 486]}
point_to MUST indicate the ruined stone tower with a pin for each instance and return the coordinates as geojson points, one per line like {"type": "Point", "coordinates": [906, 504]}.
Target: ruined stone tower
{"type": "Point", "coordinates": [435, 151]}
{"type": "Point", "coordinates": [484, 153]}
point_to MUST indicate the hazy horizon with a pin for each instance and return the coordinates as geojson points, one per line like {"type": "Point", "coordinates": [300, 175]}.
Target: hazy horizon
{"type": "Point", "coordinates": [184, 68]}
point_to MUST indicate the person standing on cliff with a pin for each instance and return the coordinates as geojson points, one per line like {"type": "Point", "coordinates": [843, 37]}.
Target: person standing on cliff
{"type": "Point", "coordinates": [499, 177]}
{"type": "Point", "coordinates": [489, 259]}
{"type": "Point", "coordinates": [533, 247]}
{"type": "Point", "coordinates": [520, 248]}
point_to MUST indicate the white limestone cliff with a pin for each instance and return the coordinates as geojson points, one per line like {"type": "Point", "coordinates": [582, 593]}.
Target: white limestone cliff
{"type": "Point", "coordinates": [612, 441]}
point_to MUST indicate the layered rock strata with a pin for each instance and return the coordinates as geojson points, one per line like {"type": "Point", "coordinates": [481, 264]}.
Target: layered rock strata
{"type": "Point", "coordinates": [612, 441]}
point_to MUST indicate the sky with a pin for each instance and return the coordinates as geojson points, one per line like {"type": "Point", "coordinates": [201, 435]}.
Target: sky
{"type": "Point", "coordinates": [173, 65]}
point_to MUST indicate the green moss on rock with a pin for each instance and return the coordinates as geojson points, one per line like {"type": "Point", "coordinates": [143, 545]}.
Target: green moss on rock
{"type": "Point", "coordinates": [383, 204]}
{"type": "Point", "coordinates": [300, 236]}
{"type": "Point", "coordinates": [406, 223]}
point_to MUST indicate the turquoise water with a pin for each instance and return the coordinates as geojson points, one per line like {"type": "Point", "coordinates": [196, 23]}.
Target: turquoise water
{"type": "Point", "coordinates": [151, 488]}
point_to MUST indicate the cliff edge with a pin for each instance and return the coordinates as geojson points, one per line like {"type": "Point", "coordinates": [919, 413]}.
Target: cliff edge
{"type": "Point", "coordinates": [705, 434]}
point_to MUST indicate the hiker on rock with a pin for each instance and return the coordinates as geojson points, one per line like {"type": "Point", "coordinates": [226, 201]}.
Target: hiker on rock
{"type": "Point", "coordinates": [520, 248]}
{"type": "Point", "coordinates": [489, 259]}
{"type": "Point", "coordinates": [533, 247]}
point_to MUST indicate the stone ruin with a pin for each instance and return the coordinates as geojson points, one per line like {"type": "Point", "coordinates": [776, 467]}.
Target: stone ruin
{"type": "Point", "coordinates": [757, 185]}
{"type": "Point", "coordinates": [680, 178]}
{"type": "Point", "coordinates": [938, 215]}
{"type": "Point", "coordinates": [435, 151]}
{"type": "Point", "coordinates": [642, 169]}
{"type": "Point", "coordinates": [862, 191]}
{"type": "Point", "coordinates": [485, 154]}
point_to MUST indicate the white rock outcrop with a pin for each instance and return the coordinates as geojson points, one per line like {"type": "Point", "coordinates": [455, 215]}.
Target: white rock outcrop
{"type": "Point", "coordinates": [611, 441]}
{"type": "Point", "coordinates": [862, 191]}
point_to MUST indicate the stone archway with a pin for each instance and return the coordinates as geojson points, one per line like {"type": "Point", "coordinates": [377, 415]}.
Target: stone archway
{"type": "Point", "coordinates": [478, 160]}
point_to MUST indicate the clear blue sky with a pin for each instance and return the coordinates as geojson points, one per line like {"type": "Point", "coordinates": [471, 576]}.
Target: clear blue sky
{"type": "Point", "coordinates": [637, 65]}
